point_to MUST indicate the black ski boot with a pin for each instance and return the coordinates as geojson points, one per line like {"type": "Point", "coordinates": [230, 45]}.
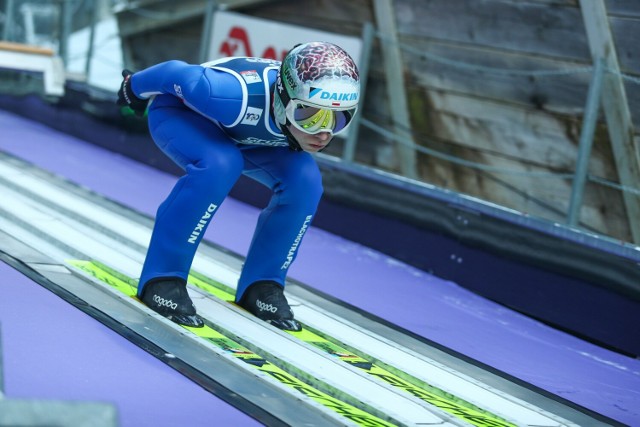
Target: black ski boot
{"type": "Point", "coordinates": [168, 296]}
{"type": "Point", "coordinates": [266, 301]}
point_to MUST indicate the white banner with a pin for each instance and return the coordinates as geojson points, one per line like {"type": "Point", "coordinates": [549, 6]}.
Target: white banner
{"type": "Point", "coordinates": [241, 35]}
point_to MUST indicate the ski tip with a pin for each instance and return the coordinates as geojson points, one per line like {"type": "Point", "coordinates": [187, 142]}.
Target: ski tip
{"type": "Point", "coordinates": [192, 321]}
{"type": "Point", "coordinates": [286, 324]}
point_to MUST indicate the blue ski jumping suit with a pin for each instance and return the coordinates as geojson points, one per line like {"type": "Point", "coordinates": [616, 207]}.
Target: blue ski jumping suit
{"type": "Point", "coordinates": [215, 121]}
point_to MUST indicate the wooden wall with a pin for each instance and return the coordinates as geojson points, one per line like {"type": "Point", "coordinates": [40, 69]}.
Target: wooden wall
{"type": "Point", "coordinates": [526, 122]}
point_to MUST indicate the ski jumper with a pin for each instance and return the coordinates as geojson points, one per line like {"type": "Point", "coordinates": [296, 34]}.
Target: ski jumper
{"type": "Point", "coordinates": [215, 121]}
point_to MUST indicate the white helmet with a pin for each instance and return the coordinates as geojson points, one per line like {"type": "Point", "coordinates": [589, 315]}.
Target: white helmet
{"type": "Point", "coordinates": [317, 89]}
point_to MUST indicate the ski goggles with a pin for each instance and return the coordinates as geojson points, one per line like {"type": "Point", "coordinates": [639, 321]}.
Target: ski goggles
{"type": "Point", "coordinates": [312, 120]}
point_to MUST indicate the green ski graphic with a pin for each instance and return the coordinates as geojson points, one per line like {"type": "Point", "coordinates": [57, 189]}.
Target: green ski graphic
{"type": "Point", "coordinates": [127, 286]}
{"type": "Point", "coordinates": [445, 401]}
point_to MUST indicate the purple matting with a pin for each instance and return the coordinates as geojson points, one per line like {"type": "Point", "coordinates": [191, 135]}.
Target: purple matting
{"type": "Point", "coordinates": [442, 311]}
{"type": "Point", "coordinates": [53, 351]}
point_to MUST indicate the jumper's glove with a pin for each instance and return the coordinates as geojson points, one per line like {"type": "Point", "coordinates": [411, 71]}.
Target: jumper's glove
{"type": "Point", "coordinates": [126, 97]}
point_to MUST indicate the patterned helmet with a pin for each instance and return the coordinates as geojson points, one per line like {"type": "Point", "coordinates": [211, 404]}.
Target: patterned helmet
{"type": "Point", "coordinates": [317, 89]}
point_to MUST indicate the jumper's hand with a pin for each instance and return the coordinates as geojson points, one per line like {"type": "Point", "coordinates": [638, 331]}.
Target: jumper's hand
{"type": "Point", "coordinates": [126, 97]}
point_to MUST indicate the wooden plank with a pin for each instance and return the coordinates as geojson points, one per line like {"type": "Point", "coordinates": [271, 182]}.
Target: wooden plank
{"type": "Point", "coordinates": [526, 138]}
{"type": "Point", "coordinates": [626, 33]}
{"type": "Point", "coordinates": [337, 16]}
{"type": "Point", "coordinates": [564, 92]}
{"type": "Point", "coordinates": [535, 28]}
{"type": "Point", "coordinates": [23, 48]}
{"type": "Point", "coordinates": [158, 14]}
{"type": "Point", "coordinates": [512, 138]}
{"type": "Point", "coordinates": [614, 102]}
{"type": "Point", "coordinates": [628, 8]}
